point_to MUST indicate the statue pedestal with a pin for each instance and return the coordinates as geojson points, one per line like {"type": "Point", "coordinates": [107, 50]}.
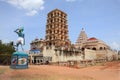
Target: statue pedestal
{"type": "Point", "coordinates": [19, 60]}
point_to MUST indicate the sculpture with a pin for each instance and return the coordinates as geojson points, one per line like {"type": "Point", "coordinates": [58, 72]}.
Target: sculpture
{"type": "Point", "coordinates": [19, 59]}
{"type": "Point", "coordinates": [21, 38]}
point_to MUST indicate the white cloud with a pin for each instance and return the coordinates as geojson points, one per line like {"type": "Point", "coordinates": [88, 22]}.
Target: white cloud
{"type": "Point", "coordinates": [115, 45]}
{"type": "Point", "coordinates": [32, 13]}
{"type": "Point", "coordinates": [32, 6]}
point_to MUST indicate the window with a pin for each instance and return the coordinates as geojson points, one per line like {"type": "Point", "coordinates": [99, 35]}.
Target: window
{"type": "Point", "coordinates": [88, 48]}
{"type": "Point", "coordinates": [83, 49]}
{"type": "Point", "coordinates": [104, 48]}
{"type": "Point", "coordinates": [94, 48]}
{"type": "Point", "coordinates": [101, 48]}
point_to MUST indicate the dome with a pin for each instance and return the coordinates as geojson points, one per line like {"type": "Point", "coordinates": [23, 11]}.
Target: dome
{"type": "Point", "coordinates": [92, 39]}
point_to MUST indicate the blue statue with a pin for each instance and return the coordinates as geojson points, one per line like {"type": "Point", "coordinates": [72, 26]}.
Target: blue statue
{"type": "Point", "coordinates": [21, 38]}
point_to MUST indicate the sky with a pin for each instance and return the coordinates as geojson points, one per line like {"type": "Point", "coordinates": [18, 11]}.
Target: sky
{"type": "Point", "coordinates": [99, 18]}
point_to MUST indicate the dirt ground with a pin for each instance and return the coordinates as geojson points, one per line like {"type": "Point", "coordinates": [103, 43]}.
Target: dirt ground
{"type": "Point", "coordinates": [108, 71]}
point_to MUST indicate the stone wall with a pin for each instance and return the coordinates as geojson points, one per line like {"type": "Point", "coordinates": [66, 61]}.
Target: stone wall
{"type": "Point", "coordinates": [111, 55]}
{"type": "Point", "coordinates": [50, 52]}
{"type": "Point", "coordinates": [90, 54]}
{"type": "Point", "coordinates": [60, 55]}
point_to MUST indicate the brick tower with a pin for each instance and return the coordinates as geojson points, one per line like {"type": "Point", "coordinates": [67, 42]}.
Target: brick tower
{"type": "Point", "coordinates": [57, 29]}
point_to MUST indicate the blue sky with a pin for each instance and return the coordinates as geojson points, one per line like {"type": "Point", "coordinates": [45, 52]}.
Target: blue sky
{"type": "Point", "coordinates": [99, 18]}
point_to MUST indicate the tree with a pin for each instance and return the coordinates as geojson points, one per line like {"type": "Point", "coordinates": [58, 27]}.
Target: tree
{"type": "Point", "coordinates": [6, 50]}
{"type": "Point", "coordinates": [0, 41]}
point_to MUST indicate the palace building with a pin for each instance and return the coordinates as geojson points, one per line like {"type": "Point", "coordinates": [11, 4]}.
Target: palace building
{"type": "Point", "coordinates": [90, 43]}
{"type": "Point", "coordinates": [56, 47]}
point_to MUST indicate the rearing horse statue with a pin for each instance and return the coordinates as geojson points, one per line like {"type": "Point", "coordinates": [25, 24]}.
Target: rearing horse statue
{"type": "Point", "coordinates": [21, 39]}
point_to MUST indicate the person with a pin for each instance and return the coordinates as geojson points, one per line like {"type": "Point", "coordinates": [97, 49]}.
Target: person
{"type": "Point", "coordinates": [21, 38]}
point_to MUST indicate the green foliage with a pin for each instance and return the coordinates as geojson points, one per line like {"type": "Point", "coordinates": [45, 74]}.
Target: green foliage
{"type": "Point", "coordinates": [118, 58]}
{"type": "Point", "coordinates": [6, 50]}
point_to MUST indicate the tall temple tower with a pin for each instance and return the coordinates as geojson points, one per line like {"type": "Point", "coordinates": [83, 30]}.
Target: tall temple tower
{"type": "Point", "coordinates": [82, 38]}
{"type": "Point", "coordinates": [57, 29]}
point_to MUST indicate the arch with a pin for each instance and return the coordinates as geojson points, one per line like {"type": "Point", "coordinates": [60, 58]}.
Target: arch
{"type": "Point", "coordinates": [53, 43]}
{"type": "Point", "coordinates": [104, 48]}
{"type": "Point", "coordinates": [50, 38]}
{"type": "Point", "coordinates": [47, 62]}
{"type": "Point", "coordinates": [58, 14]}
{"type": "Point", "coordinates": [50, 44]}
{"type": "Point", "coordinates": [101, 48]}
{"type": "Point", "coordinates": [83, 49]}
{"type": "Point", "coordinates": [88, 48]}
{"type": "Point", "coordinates": [93, 48]}
{"type": "Point", "coordinates": [41, 61]}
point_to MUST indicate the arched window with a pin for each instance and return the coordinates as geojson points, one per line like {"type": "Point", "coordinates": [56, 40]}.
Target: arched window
{"type": "Point", "coordinates": [104, 48]}
{"type": "Point", "coordinates": [61, 20]}
{"type": "Point", "coordinates": [50, 32]}
{"type": "Point", "coordinates": [93, 48]}
{"type": "Point", "coordinates": [50, 37]}
{"type": "Point", "coordinates": [83, 49]}
{"type": "Point", "coordinates": [50, 44]}
{"type": "Point", "coordinates": [101, 48]}
{"type": "Point", "coordinates": [88, 48]}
